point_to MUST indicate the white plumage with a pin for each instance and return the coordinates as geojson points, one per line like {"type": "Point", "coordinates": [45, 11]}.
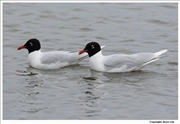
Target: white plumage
{"type": "Point", "coordinates": [54, 59]}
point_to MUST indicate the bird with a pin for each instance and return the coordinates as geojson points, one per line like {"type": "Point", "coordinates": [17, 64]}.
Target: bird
{"type": "Point", "coordinates": [49, 60]}
{"type": "Point", "coordinates": [118, 62]}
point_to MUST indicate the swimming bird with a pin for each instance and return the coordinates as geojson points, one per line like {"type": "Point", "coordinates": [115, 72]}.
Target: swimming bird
{"type": "Point", "coordinates": [118, 62]}
{"type": "Point", "coordinates": [49, 60]}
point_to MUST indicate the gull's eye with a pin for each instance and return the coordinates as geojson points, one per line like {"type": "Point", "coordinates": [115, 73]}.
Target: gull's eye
{"type": "Point", "coordinates": [31, 44]}
{"type": "Point", "coordinates": [92, 46]}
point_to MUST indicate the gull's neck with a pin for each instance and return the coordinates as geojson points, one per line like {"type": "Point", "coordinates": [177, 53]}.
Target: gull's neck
{"type": "Point", "coordinates": [96, 61]}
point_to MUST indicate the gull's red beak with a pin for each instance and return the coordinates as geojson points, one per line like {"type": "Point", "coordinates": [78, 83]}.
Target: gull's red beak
{"type": "Point", "coordinates": [21, 47]}
{"type": "Point", "coordinates": [82, 51]}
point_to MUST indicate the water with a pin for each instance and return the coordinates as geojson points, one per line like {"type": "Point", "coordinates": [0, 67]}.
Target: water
{"type": "Point", "coordinates": [76, 92]}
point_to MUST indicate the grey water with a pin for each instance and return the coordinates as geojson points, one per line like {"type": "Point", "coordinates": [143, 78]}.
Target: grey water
{"type": "Point", "coordinates": [76, 92]}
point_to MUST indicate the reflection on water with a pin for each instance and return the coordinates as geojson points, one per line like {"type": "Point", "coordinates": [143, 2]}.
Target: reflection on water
{"type": "Point", "coordinates": [91, 97]}
{"type": "Point", "coordinates": [101, 80]}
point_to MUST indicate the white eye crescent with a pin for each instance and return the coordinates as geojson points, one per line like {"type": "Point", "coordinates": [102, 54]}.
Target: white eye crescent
{"type": "Point", "coordinates": [31, 44]}
{"type": "Point", "coordinates": [92, 46]}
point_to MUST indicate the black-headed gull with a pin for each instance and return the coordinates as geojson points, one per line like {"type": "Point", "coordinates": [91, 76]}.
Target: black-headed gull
{"type": "Point", "coordinates": [118, 62]}
{"type": "Point", "coordinates": [49, 60]}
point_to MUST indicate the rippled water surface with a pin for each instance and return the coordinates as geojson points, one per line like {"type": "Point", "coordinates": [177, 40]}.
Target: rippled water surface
{"type": "Point", "coordinates": [76, 92]}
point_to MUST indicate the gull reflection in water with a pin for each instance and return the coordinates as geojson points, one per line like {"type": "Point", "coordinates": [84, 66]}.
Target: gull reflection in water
{"type": "Point", "coordinates": [93, 91]}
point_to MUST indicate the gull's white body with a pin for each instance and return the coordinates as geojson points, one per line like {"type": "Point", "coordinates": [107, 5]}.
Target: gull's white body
{"type": "Point", "coordinates": [122, 62]}
{"type": "Point", "coordinates": [54, 59]}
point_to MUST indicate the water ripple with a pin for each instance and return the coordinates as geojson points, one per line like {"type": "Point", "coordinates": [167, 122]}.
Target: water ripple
{"type": "Point", "coordinates": [154, 21]}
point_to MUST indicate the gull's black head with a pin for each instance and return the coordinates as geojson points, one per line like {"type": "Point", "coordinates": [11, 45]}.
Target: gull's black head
{"type": "Point", "coordinates": [31, 45]}
{"type": "Point", "coordinates": [91, 48]}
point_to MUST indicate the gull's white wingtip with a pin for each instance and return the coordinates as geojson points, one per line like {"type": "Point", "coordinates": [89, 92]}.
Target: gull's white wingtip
{"type": "Point", "coordinates": [102, 47]}
{"type": "Point", "coordinates": [161, 52]}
